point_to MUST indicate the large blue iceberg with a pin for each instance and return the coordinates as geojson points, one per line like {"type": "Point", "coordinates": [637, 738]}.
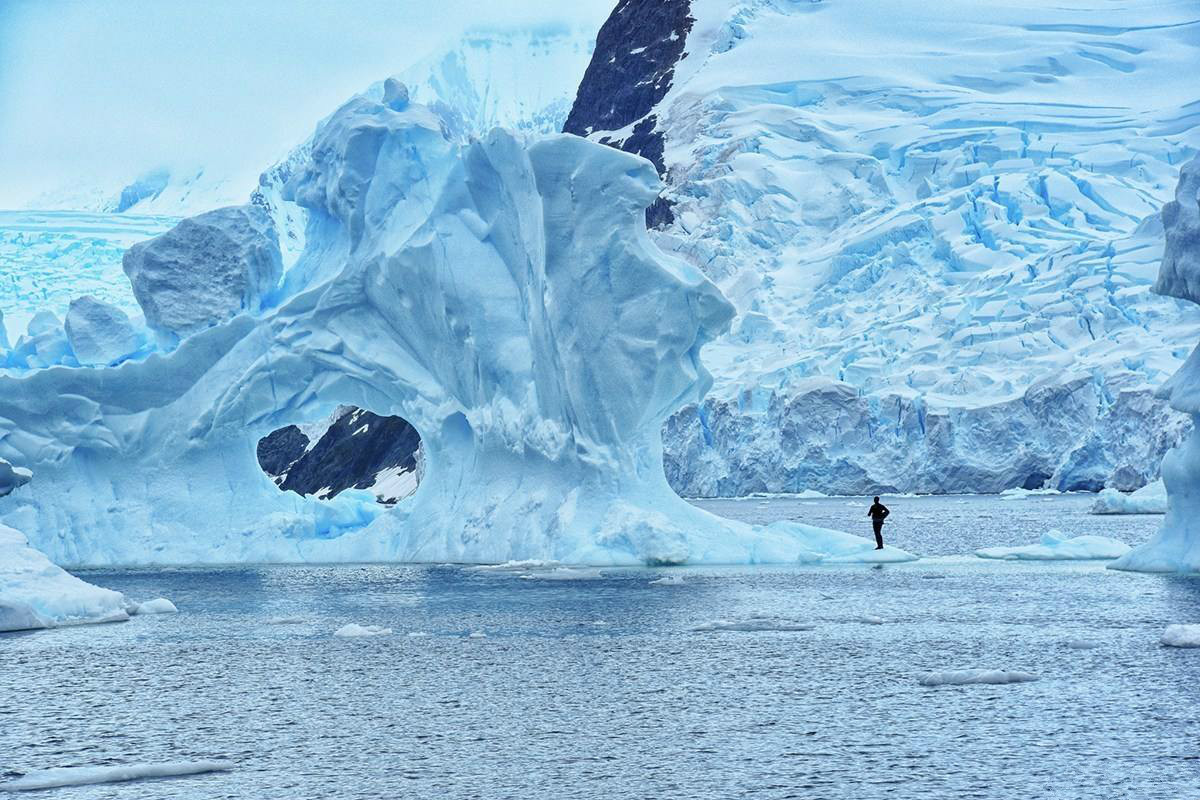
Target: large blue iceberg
{"type": "Point", "coordinates": [499, 293]}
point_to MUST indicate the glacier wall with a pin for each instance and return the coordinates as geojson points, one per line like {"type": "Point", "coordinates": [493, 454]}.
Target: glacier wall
{"type": "Point", "coordinates": [500, 294]}
{"type": "Point", "coordinates": [1176, 546]}
{"type": "Point", "coordinates": [946, 232]}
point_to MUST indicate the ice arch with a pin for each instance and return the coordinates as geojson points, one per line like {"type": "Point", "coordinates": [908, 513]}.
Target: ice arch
{"type": "Point", "coordinates": [500, 294]}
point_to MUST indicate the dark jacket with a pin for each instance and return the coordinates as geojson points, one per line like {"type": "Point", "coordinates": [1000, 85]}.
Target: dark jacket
{"type": "Point", "coordinates": [878, 512]}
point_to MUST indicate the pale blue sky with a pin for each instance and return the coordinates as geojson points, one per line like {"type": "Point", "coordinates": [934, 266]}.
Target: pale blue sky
{"type": "Point", "coordinates": [100, 90]}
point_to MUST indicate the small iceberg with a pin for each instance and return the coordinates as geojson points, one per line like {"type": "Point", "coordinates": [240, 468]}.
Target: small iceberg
{"type": "Point", "coordinates": [1017, 493]}
{"type": "Point", "coordinates": [965, 677]}
{"type": "Point", "coordinates": [668, 580]}
{"type": "Point", "coordinates": [1084, 644]}
{"type": "Point", "coordinates": [1055, 546]}
{"type": "Point", "coordinates": [83, 776]}
{"type": "Point", "coordinates": [354, 630]}
{"type": "Point", "coordinates": [824, 546]}
{"type": "Point", "coordinates": [1150, 499]}
{"type": "Point", "coordinates": [159, 605]}
{"type": "Point", "coordinates": [871, 619]}
{"type": "Point", "coordinates": [1181, 636]}
{"type": "Point", "coordinates": [756, 622]}
{"type": "Point", "coordinates": [564, 574]}
{"type": "Point", "coordinates": [476, 635]}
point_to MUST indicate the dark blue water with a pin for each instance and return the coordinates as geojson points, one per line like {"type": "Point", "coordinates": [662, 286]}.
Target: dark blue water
{"type": "Point", "coordinates": [599, 687]}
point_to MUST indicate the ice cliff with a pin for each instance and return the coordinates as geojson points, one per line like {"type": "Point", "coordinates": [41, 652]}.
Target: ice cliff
{"type": "Point", "coordinates": [1176, 546]}
{"type": "Point", "coordinates": [500, 294]}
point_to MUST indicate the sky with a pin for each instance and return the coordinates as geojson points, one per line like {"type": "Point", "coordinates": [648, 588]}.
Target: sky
{"type": "Point", "coordinates": [99, 91]}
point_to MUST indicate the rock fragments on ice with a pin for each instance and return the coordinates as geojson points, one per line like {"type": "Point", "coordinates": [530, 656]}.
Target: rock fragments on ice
{"type": "Point", "coordinates": [84, 776]}
{"type": "Point", "coordinates": [1181, 636]}
{"type": "Point", "coordinates": [1056, 546]}
{"type": "Point", "coordinates": [99, 333]}
{"type": "Point", "coordinates": [499, 293]}
{"type": "Point", "coordinates": [1176, 545]}
{"type": "Point", "coordinates": [1150, 499]}
{"type": "Point", "coordinates": [205, 270]}
{"type": "Point", "coordinates": [354, 631]}
{"type": "Point", "coordinates": [34, 593]}
{"type": "Point", "coordinates": [159, 605]}
{"type": "Point", "coordinates": [965, 677]}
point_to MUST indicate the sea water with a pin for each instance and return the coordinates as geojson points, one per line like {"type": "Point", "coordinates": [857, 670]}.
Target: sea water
{"type": "Point", "coordinates": [716, 683]}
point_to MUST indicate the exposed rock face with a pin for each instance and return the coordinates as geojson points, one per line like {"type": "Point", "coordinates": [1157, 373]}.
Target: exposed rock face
{"type": "Point", "coordinates": [99, 333]}
{"type": "Point", "coordinates": [350, 454]}
{"type": "Point", "coordinates": [631, 70]}
{"type": "Point", "coordinates": [205, 270]}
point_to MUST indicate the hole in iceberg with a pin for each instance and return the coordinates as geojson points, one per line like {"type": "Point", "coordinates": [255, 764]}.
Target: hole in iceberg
{"type": "Point", "coordinates": [351, 449]}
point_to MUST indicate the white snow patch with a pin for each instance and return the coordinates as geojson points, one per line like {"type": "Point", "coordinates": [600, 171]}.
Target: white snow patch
{"type": "Point", "coordinates": [354, 630]}
{"type": "Point", "coordinates": [83, 776]}
{"type": "Point", "coordinates": [1181, 636]}
{"type": "Point", "coordinates": [962, 677]}
{"type": "Point", "coordinates": [1054, 546]}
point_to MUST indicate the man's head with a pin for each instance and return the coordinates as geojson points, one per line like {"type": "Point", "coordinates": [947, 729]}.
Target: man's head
{"type": "Point", "coordinates": [876, 499]}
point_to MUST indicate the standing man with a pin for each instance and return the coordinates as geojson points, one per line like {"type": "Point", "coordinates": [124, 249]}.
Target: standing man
{"type": "Point", "coordinates": [878, 514]}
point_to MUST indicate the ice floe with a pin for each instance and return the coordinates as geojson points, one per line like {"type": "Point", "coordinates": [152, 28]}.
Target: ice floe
{"type": "Point", "coordinates": [963, 677]}
{"type": "Point", "coordinates": [1055, 546]}
{"type": "Point", "coordinates": [1181, 636]}
{"type": "Point", "coordinates": [83, 776]}
{"type": "Point", "coordinates": [354, 630]}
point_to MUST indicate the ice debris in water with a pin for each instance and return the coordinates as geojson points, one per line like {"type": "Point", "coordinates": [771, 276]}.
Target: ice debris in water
{"type": "Point", "coordinates": [1055, 546]}
{"type": "Point", "coordinates": [1017, 493]}
{"type": "Point", "coordinates": [962, 677]}
{"type": "Point", "coordinates": [159, 605]}
{"type": "Point", "coordinates": [564, 574]}
{"type": "Point", "coordinates": [354, 630]}
{"type": "Point", "coordinates": [871, 619]}
{"type": "Point", "coordinates": [1083, 644]}
{"type": "Point", "coordinates": [1150, 499]}
{"type": "Point", "coordinates": [83, 776]}
{"type": "Point", "coordinates": [476, 635]}
{"type": "Point", "coordinates": [286, 621]}
{"type": "Point", "coordinates": [1182, 636]}
{"type": "Point", "coordinates": [756, 622]}
{"type": "Point", "coordinates": [520, 565]}
{"type": "Point", "coordinates": [668, 580]}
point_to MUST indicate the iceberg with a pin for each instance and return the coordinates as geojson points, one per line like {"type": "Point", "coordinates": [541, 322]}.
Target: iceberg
{"type": "Point", "coordinates": [1150, 499]}
{"type": "Point", "coordinates": [499, 293]}
{"type": "Point", "coordinates": [1056, 546]}
{"type": "Point", "coordinates": [99, 333]}
{"type": "Point", "coordinates": [1176, 546]}
{"type": "Point", "coordinates": [965, 677]}
{"type": "Point", "coordinates": [1181, 636]}
{"type": "Point", "coordinates": [84, 776]}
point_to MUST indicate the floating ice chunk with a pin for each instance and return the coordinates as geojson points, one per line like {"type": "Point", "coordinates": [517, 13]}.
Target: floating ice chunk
{"type": "Point", "coordinates": [564, 574]}
{"type": "Point", "coordinates": [962, 677]}
{"type": "Point", "coordinates": [417, 634]}
{"type": "Point", "coordinates": [1054, 546]}
{"type": "Point", "coordinates": [1084, 644]}
{"type": "Point", "coordinates": [34, 593]}
{"type": "Point", "coordinates": [1181, 636]}
{"type": "Point", "coordinates": [476, 635]}
{"type": "Point", "coordinates": [1017, 493]}
{"type": "Point", "coordinates": [159, 605]}
{"type": "Point", "coordinates": [83, 776]}
{"type": "Point", "coordinates": [1150, 499]}
{"type": "Point", "coordinates": [871, 619]}
{"type": "Point", "coordinates": [515, 566]}
{"type": "Point", "coordinates": [99, 333]}
{"type": "Point", "coordinates": [354, 630]}
{"type": "Point", "coordinates": [668, 580]}
{"type": "Point", "coordinates": [756, 623]}
{"type": "Point", "coordinates": [286, 621]}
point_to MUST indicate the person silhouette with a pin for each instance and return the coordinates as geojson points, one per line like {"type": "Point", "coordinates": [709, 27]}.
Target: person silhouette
{"type": "Point", "coordinates": [878, 513]}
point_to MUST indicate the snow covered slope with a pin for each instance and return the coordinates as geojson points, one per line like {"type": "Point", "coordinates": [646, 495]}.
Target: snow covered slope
{"type": "Point", "coordinates": [938, 223]}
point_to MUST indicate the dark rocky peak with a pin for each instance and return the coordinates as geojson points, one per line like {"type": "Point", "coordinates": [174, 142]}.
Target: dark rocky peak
{"type": "Point", "coordinates": [631, 70]}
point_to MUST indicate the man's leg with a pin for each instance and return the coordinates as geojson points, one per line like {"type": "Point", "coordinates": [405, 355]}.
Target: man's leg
{"type": "Point", "coordinates": [878, 536]}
